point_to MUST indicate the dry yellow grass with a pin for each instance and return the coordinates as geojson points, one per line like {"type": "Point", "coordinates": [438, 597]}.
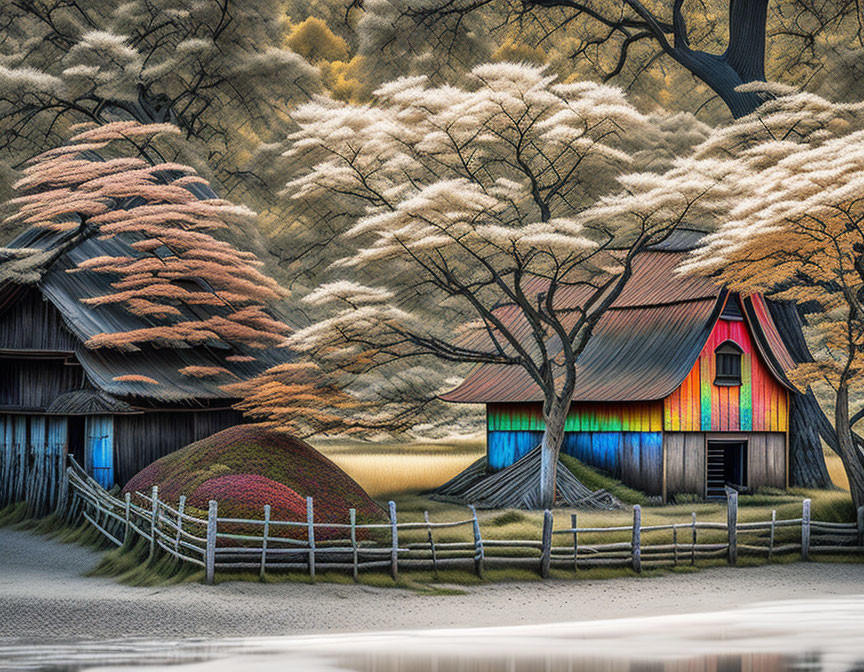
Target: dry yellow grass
{"type": "Point", "coordinates": [836, 470]}
{"type": "Point", "coordinates": [392, 468]}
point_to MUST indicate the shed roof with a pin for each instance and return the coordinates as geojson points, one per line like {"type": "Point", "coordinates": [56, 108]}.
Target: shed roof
{"type": "Point", "coordinates": [119, 373]}
{"type": "Point", "coordinates": [645, 344]}
{"type": "Point", "coordinates": [88, 402]}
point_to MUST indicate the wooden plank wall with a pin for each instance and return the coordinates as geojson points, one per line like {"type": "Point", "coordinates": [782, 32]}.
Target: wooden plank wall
{"type": "Point", "coordinates": [634, 457]}
{"type": "Point", "coordinates": [642, 461]}
{"type": "Point", "coordinates": [766, 460]}
{"type": "Point", "coordinates": [35, 383]}
{"type": "Point", "coordinates": [142, 439]}
{"type": "Point", "coordinates": [505, 448]}
{"type": "Point", "coordinates": [686, 453]}
{"type": "Point", "coordinates": [35, 325]}
{"type": "Point", "coordinates": [685, 462]}
{"type": "Point", "coordinates": [759, 404]}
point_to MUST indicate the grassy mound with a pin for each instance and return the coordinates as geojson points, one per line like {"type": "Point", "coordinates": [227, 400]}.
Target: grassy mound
{"type": "Point", "coordinates": [245, 467]}
{"type": "Point", "coordinates": [595, 480]}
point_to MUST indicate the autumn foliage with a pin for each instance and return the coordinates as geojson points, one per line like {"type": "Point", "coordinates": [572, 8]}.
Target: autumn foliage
{"type": "Point", "coordinates": [298, 398]}
{"type": "Point", "coordinates": [189, 286]}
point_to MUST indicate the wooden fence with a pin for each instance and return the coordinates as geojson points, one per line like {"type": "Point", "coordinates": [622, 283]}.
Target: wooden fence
{"type": "Point", "coordinates": [31, 474]}
{"type": "Point", "coordinates": [264, 544]}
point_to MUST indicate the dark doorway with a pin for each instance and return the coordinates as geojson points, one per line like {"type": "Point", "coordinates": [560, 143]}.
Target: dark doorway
{"type": "Point", "coordinates": [727, 465]}
{"type": "Point", "coordinates": [76, 438]}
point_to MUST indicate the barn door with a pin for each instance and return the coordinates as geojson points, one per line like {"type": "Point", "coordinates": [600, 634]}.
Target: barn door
{"type": "Point", "coordinates": [99, 449]}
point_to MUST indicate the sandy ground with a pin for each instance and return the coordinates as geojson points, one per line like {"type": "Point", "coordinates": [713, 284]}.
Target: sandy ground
{"type": "Point", "coordinates": [43, 597]}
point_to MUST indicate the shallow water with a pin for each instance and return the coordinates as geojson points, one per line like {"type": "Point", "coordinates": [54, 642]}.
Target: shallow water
{"type": "Point", "coordinates": [820, 635]}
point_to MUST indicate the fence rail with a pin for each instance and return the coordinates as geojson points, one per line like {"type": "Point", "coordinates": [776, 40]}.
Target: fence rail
{"type": "Point", "coordinates": [223, 543]}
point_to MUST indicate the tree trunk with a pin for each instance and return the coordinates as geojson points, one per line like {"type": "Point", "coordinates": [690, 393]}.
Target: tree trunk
{"type": "Point", "coordinates": [850, 453]}
{"type": "Point", "coordinates": [553, 437]}
{"type": "Point", "coordinates": [742, 62]}
{"type": "Point", "coordinates": [807, 420]}
{"type": "Point", "coordinates": [806, 460]}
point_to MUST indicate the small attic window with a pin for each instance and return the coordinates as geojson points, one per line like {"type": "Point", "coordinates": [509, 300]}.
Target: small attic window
{"type": "Point", "coordinates": [728, 360]}
{"type": "Point", "coordinates": [732, 309]}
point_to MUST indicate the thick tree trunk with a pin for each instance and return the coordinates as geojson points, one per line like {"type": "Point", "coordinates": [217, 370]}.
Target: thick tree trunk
{"type": "Point", "coordinates": [553, 437]}
{"type": "Point", "coordinates": [806, 461]}
{"type": "Point", "coordinates": [850, 453]}
{"type": "Point", "coordinates": [742, 62]}
{"type": "Point", "coordinates": [807, 420]}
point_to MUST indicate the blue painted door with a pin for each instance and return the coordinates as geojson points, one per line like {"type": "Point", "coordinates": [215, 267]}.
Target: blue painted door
{"type": "Point", "coordinates": [100, 449]}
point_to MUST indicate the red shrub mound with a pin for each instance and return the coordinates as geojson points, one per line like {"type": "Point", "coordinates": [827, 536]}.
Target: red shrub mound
{"type": "Point", "coordinates": [245, 467]}
{"type": "Point", "coordinates": [251, 491]}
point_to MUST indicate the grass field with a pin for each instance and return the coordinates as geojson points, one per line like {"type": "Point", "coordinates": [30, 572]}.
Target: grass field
{"type": "Point", "coordinates": [384, 469]}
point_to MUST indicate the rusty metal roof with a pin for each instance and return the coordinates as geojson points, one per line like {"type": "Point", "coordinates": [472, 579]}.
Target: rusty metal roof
{"type": "Point", "coordinates": [642, 348]}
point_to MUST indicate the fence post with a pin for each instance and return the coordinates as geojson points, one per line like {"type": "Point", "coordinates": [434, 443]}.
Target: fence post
{"type": "Point", "coordinates": [127, 512]}
{"type": "Point", "coordinates": [805, 530]}
{"type": "Point", "coordinates": [210, 559]}
{"type": "Point", "coordinates": [546, 545]}
{"type": "Point", "coordinates": [693, 547]}
{"type": "Point", "coordinates": [674, 544]}
{"type": "Point", "coordinates": [431, 544]}
{"type": "Point", "coordinates": [154, 517]}
{"type": "Point", "coordinates": [574, 523]}
{"type": "Point", "coordinates": [771, 538]}
{"type": "Point", "coordinates": [353, 516]}
{"type": "Point", "coordinates": [181, 509]}
{"type": "Point", "coordinates": [732, 525]}
{"type": "Point", "coordinates": [861, 526]}
{"type": "Point", "coordinates": [636, 543]}
{"type": "Point", "coordinates": [394, 538]}
{"type": "Point", "coordinates": [479, 554]}
{"type": "Point", "coordinates": [62, 486]}
{"type": "Point", "coordinates": [264, 541]}
{"type": "Point", "coordinates": [310, 526]}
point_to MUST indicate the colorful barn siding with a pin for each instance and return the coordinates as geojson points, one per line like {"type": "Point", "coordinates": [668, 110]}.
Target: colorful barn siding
{"type": "Point", "coordinates": [624, 439]}
{"type": "Point", "coordinates": [759, 404]}
{"type": "Point", "coordinates": [634, 457]}
{"type": "Point", "coordinates": [583, 417]}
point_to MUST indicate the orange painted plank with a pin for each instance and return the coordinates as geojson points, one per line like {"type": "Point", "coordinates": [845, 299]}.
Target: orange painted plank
{"type": "Point", "coordinates": [734, 409]}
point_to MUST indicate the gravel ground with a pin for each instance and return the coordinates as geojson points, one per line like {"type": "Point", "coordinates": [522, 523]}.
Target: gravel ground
{"type": "Point", "coordinates": [44, 597]}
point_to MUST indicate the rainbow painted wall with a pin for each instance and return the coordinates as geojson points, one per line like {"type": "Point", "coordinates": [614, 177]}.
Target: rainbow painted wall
{"type": "Point", "coordinates": [583, 417]}
{"type": "Point", "coordinates": [759, 404]}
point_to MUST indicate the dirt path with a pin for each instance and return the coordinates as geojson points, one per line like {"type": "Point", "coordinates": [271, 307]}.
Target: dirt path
{"type": "Point", "coordinates": [43, 596]}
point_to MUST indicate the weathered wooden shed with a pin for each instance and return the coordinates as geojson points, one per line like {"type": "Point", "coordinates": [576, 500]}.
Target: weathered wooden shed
{"type": "Point", "coordinates": [681, 389]}
{"type": "Point", "coordinates": [58, 396]}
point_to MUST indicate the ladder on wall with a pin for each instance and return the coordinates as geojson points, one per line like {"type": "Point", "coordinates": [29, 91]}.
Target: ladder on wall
{"type": "Point", "coordinates": [716, 485]}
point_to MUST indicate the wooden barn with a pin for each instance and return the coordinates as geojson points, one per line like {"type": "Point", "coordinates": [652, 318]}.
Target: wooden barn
{"type": "Point", "coordinates": [681, 388]}
{"type": "Point", "coordinates": [57, 395]}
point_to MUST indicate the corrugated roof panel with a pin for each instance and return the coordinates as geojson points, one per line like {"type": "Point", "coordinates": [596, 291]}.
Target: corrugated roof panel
{"type": "Point", "coordinates": [635, 354]}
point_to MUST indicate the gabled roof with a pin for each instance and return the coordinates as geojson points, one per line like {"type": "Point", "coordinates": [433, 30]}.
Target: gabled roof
{"type": "Point", "coordinates": [645, 344]}
{"type": "Point", "coordinates": [104, 366]}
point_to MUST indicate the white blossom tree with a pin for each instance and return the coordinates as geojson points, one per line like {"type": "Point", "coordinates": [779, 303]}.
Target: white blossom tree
{"type": "Point", "coordinates": [466, 211]}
